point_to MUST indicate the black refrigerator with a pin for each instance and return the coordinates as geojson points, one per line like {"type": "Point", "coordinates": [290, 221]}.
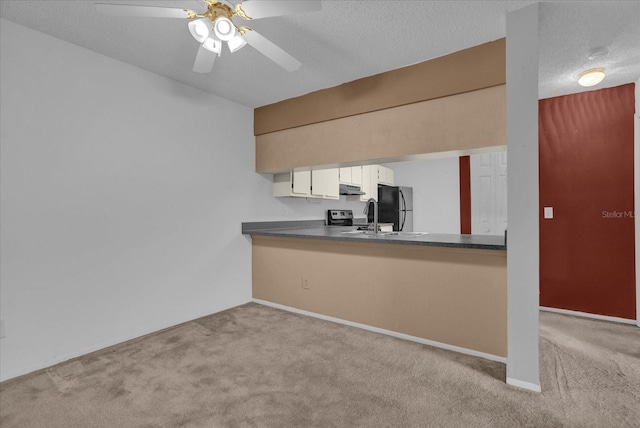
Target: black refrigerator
{"type": "Point", "coordinates": [395, 205]}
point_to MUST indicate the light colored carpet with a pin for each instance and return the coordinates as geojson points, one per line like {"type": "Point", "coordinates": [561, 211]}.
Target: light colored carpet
{"type": "Point", "coordinates": [255, 366]}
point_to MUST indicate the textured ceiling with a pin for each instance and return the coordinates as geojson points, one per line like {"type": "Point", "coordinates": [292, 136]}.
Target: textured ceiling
{"type": "Point", "coordinates": [572, 31]}
{"type": "Point", "coordinates": [347, 40]}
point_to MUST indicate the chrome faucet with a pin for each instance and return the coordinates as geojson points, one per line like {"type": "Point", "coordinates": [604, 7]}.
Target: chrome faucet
{"type": "Point", "coordinates": [375, 214]}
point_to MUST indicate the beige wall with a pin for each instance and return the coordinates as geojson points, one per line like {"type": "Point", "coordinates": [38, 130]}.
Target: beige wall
{"type": "Point", "coordinates": [453, 296]}
{"type": "Point", "coordinates": [468, 121]}
{"type": "Point", "coordinates": [467, 70]}
{"type": "Point", "coordinates": [455, 103]}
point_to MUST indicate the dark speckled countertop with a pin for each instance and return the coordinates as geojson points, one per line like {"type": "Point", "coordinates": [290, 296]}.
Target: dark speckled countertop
{"type": "Point", "coordinates": [315, 229]}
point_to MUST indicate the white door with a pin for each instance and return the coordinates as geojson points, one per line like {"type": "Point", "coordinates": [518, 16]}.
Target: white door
{"type": "Point", "coordinates": [489, 193]}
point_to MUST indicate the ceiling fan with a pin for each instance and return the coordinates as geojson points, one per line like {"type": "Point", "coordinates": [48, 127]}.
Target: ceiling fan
{"type": "Point", "coordinates": [214, 26]}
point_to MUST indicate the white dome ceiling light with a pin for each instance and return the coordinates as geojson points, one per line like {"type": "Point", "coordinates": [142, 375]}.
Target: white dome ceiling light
{"type": "Point", "coordinates": [200, 29]}
{"type": "Point", "coordinates": [591, 77]}
{"type": "Point", "coordinates": [236, 43]}
{"type": "Point", "coordinates": [224, 28]}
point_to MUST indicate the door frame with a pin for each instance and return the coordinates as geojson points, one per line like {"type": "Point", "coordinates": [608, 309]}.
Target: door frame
{"type": "Point", "coordinates": [636, 198]}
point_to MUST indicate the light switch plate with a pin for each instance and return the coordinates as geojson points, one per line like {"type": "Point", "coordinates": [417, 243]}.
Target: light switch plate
{"type": "Point", "coordinates": [548, 212]}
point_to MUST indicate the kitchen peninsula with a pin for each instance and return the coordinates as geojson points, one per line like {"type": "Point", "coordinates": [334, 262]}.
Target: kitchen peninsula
{"type": "Point", "coordinates": [444, 289]}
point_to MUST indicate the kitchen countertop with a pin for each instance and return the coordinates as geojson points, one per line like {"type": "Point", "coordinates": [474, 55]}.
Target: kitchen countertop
{"type": "Point", "coordinates": [315, 229]}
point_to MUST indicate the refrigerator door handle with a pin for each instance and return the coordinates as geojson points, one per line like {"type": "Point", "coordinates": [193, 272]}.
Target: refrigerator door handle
{"type": "Point", "coordinates": [404, 209]}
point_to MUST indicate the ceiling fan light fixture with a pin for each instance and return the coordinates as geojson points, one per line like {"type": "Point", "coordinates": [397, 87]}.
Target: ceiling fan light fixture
{"type": "Point", "coordinates": [224, 29]}
{"type": "Point", "coordinates": [213, 44]}
{"type": "Point", "coordinates": [591, 77]}
{"type": "Point", "coordinates": [200, 29]}
{"type": "Point", "coordinates": [236, 43]}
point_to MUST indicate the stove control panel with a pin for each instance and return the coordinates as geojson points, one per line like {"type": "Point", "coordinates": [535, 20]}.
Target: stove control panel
{"type": "Point", "coordinates": [340, 217]}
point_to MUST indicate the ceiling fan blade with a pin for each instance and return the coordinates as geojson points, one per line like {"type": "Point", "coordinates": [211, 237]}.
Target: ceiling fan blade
{"type": "Point", "coordinates": [141, 11]}
{"type": "Point", "coordinates": [271, 51]}
{"type": "Point", "coordinates": [268, 8]}
{"type": "Point", "coordinates": [204, 60]}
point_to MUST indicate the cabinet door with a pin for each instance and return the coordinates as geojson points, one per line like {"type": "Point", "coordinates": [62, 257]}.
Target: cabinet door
{"type": "Point", "coordinates": [381, 174]}
{"type": "Point", "coordinates": [369, 182]}
{"type": "Point", "coordinates": [301, 183]}
{"type": "Point", "coordinates": [292, 184]}
{"type": "Point", "coordinates": [325, 183]}
{"type": "Point", "coordinates": [374, 181]}
{"type": "Point", "coordinates": [356, 175]}
{"type": "Point", "coordinates": [390, 176]}
{"type": "Point", "coordinates": [385, 175]}
{"type": "Point", "coordinates": [345, 175]}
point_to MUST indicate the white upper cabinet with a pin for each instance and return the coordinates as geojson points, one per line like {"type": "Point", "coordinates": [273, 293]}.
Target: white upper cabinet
{"type": "Point", "coordinates": [367, 184]}
{"type": "Point", "coordinates": [345, 175]}
{"type": "Point", "coordinates": [369, 176]}
{"type": "Point", "coordinates": [325, 183]}
{"type": "Point", "coordinates": [356, 175]}
{"type": "Point", "coordinates": [385, 175]}
{"type": "Point", "coordinates": [351, 175]}
{"type": "Point", "coordinates": [302, 183]}
{"type": "Point", "coordinates": [290, 184]}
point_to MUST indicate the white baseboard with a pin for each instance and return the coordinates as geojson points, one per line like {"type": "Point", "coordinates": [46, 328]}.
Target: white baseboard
{"type": "Point", "coordinates": [387, 332]}
{"type": "Point", "coordinates": [588, 315]}
{"type": "Point", "coordinates": [524, 385]}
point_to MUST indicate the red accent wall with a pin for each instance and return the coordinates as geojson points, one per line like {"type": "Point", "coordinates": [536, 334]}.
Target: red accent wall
{"type": "Point", "coordinates": [586, 174]}
{"type": "Point", "coordinates": [465, 194]}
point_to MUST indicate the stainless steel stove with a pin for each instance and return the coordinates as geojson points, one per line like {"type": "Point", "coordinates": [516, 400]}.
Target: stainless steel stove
{"type": "Point", "coordinates": [339, 217]}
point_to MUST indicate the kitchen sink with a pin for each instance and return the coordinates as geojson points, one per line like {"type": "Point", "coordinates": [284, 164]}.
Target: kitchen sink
{"type": "Point", "coordinates": [383, 234]}
{"type": "Point", "coordinates": [405, 234]}
{"type": "Point", "coordinates": [360, 232]}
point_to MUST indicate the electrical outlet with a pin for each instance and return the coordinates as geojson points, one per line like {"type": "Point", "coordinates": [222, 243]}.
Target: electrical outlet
{"type": "Point", "coordinates": [305, 283]}
{"type": "Point", "coordinates": [2, 332]}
